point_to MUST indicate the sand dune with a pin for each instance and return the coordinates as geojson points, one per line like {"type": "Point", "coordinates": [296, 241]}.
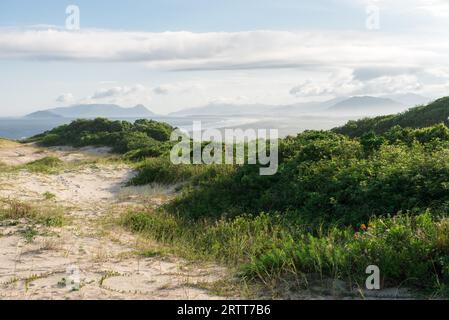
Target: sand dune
{"type": "Point", "coordinates": [104, 256]}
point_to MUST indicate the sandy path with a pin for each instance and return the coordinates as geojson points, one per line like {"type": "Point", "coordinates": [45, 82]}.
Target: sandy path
{"type": "Point", "coordinates": [104, 261]}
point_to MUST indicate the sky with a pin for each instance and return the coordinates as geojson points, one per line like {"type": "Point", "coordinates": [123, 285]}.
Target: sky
{"type": "Point", "coordinates": [176, 54]}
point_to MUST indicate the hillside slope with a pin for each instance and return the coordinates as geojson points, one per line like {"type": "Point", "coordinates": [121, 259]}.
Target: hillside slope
{"type": "Point", "coordinates": [417, 117]}
{"type": "Point", "coordinates": [94, 110]}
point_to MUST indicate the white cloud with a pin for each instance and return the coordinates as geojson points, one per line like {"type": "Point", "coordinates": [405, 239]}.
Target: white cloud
{"type": "Point", "coordinates": [117, 92]}
{"type": "Point", "coordinates": [308, 88]}
{"type": "Point", "coordinates": [345, 84]}
{"type": "Point", "coordinates": [225, 50]}
{"type": "Point", "coordinates": [277, 62]}
{"type": "Point", "coordinates": [121, 95]}
{"type": "Point", "coordinates": [390, 84]}
{"type": "Point", "coordinates": [65, 98]}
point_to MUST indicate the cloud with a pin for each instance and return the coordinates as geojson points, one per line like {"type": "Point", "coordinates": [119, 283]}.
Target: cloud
{"type": "Point", "coordinates": [162, 90]}
{"type": "Point", "coordinates": [225, 50]}
{"type": "Point", "coordinates": [311, 89]}
{"type": "Point", "coordinates": [371, 61]}
{"type": "Point", "coordinates": [65, 98]}
{"type": "Point", "coordinates": [178, 88]}
{"type": "Point", "coordinates": [122, 95]}
{"type": "Point", "coordinates": [345, 84]}
{"type": "Point", "coordinates": [117, 92]}
{"type": "Point", "coordinates": [369, 73]}
{"type": "Point", "coordinates": [390, 84]}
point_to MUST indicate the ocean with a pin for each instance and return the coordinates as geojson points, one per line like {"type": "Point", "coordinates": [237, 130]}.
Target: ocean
{"type": "Point", "coordinates": [20, 128]}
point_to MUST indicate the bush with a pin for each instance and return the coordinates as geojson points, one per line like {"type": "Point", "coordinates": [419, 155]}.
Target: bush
{"type": "Point", "coordinates": [417, 117]}
{"type": "Point", "coordinates": [328, 178]}
{"type": "Point", "coordinates": [122, 136]}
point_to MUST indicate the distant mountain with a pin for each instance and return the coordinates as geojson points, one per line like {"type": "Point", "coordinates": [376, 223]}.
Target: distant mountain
{"type": "Point", "coordinates": [95, 110]}
{"type": "Point", "coordinates": [43, 115]}
{"type": "Point", "coordinates": [222, 109]}
{"type": "Point", "coordinates": [417, 117]}
{"type": "Point", "coordinates": [408, 99]}
{"type": "Point", "coordinates": [366, 105]}
{"type": "Point", "coordinates": [342, 105]}
{"type": "Point", "coordinates": [307, 107]}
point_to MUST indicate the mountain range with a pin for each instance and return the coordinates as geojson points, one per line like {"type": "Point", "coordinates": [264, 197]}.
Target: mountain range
{"type": "Point", "coordinates": [354, 106]}
{"type": "Point", "coordinates": [367, 105]}
{"type": "Point", "coordinates": [92, 111]}
{"type": "Point", "coordinates": [358, 105]}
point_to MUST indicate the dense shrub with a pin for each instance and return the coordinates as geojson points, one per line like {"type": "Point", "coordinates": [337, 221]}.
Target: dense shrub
{"type": "Point", "coordinates": [417, 117]}
{"type": "Point", "coordinates": [122, 136]}
{"type": "Point", "coordinates": [325, 177]}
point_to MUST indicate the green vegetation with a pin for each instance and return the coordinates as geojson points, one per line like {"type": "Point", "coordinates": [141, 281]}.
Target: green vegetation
{"type": "Point", "coordinates": [142, 138]}
{"type": "Point", "coordinates": [44, 165]}
{"type": "Point", "coordinates": [375, 191]}
{"type": "Point", "coordinates": [49, 196]}
{"type": "Point", "coordinates": [162, 171]}
{"type": "Point", "coordinates": [409, 250]}
{"type": "Point", "coordinates": [43, 214]}
{"type": "Point", "coordinates": [326, 178]}
{"type": "Point", "coordinates": [311, 217]}
{"type": "Point", "coordinates": [336, 206]}
{"type": "Point", "coordinates": [418, 117]}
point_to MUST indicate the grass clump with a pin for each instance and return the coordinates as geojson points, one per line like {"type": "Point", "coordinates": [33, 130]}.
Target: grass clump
{"type": "Point", "coordinates": [46, 215]}
{"type": "Point", "coordinates": [49, 196]}
{"type": "Point", "coordinates": [230, 241]}
{"type": "Point", "coordinates": [162, 171]}
{"type": "Point", "coordinates": [44, 165]}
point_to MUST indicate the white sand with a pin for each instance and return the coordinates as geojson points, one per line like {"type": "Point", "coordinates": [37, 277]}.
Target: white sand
{"type": "Point", "coordinates": [106, 261]}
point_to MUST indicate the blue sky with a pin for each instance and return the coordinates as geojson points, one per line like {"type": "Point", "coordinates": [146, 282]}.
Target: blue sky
{"type": "Point", "coordinates": [197, 15]}
{"type": "Point", "coordinates": [175, 54]}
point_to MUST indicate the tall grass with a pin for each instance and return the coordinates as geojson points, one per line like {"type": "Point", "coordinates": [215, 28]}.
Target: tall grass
{"type": "Point", "coordinates": [162, 171]}
{"type": "Point", "coordinates": [409, 250]}
{"type": "Point", "coordinates": [46, 214]}
{"type": "Point", "coordinates": [44, 165]}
